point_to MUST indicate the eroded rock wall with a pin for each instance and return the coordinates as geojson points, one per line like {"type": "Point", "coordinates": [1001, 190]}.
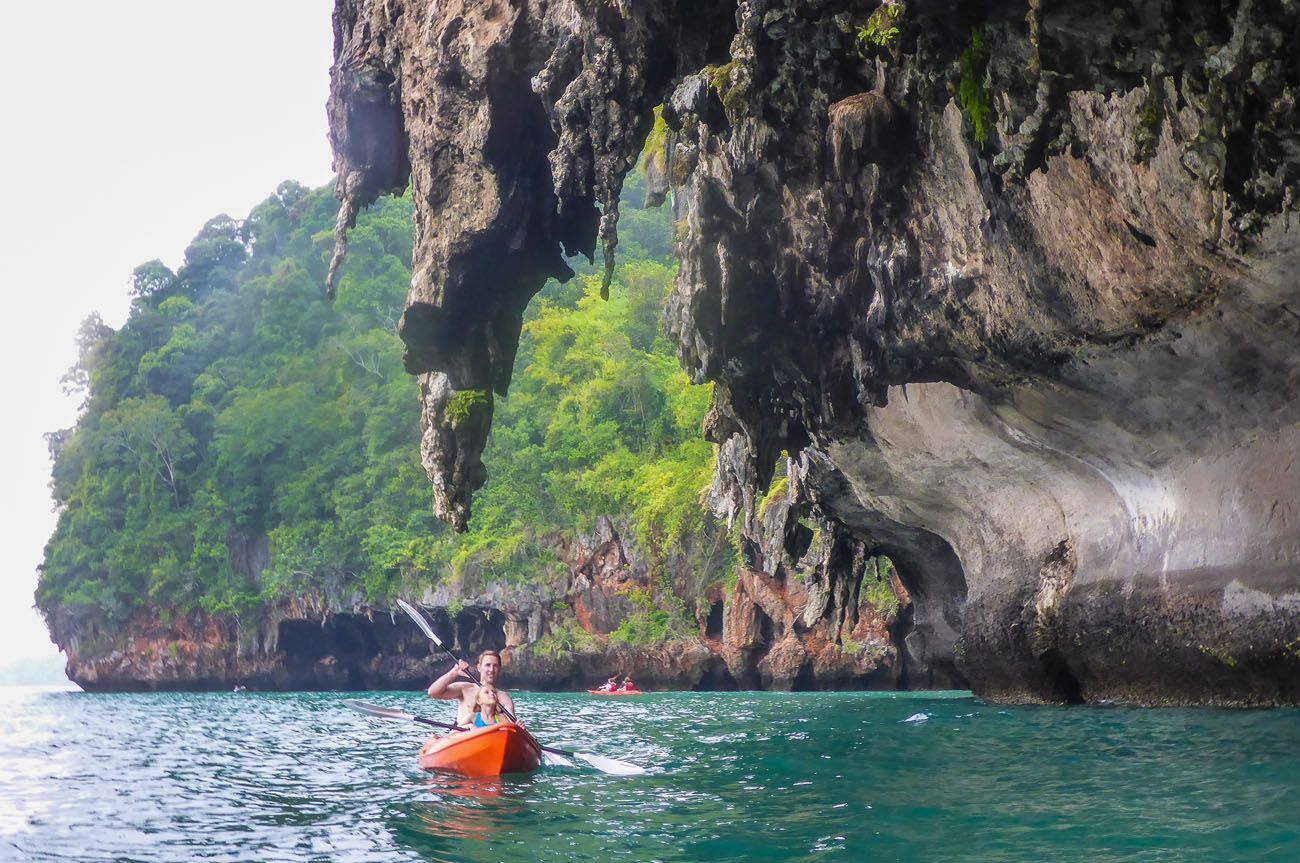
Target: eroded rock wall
{"type": "Point", "coordinates": [780, 629]}
{"type": "Point", "coordinates": [1015, 284]}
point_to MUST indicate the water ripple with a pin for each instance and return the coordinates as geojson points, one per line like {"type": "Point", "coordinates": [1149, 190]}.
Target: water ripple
{"type": "Point", "coordinates": [741, 776]}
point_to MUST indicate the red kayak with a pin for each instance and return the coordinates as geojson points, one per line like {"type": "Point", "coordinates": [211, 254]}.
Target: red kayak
{"type": "Point", "coordinates": [490, 751]}
{"type": "Point", "coordinates": [615, 692]}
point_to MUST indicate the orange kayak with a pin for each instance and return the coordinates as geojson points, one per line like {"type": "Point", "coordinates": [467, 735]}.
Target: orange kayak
{"type": "Point", "coordinates": [502, 748]}
{"type": "Point", "coordinates": [615, 692]}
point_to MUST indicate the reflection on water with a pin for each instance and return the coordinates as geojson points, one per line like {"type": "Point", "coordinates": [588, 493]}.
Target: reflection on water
{"type": "Point", "coordinates": [31, 752]}
{"type": "Point", "coordinates": [457, 812]}
{"type": "Point", "coordinates": [744, 776]}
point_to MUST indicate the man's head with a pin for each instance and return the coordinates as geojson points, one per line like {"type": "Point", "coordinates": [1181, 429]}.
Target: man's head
{"type": "Point", "coordinates": [489, 666]}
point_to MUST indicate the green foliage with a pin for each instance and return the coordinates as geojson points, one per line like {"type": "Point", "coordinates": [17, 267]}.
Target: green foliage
{"type": "Point", "coordinates": [974, 96]}
{"type": "Point", "coordinates": [237, 419]}
{"type": "Point", "coordinates": [565, 638]}
{"type": "Point", "coordinates": [464, 403]}
{"type": "Point", "coordinates": [600, 420]}
{"type": "Point", "coordinates": [647, 624]}
{"type": "Point", "coordinates": [881, 29]}
{"type": "Point", "coordinates": [652, 153]}
{"type": "Point", "coordinates": [728, 85]}
{"type": "Point", "coordinates": [720, 76]}
{"type": "Point", "coordinates": [235, 409]}
{"type": "Point", "coordinates": [877, 588]}
{"type": "Point", "coordinates": [777, 491]}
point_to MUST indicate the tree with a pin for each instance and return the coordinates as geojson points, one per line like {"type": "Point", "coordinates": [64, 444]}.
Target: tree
{"type": "Point", "coordinates": [154, 437]}
{"type": "Point", "coordinates": [91, 337]}
{"type": "Point", "coordinates": [152, 279]}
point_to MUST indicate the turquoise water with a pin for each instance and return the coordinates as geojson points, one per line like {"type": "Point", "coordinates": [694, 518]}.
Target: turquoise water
{"type": "Point", "coordinates": [739, 776]}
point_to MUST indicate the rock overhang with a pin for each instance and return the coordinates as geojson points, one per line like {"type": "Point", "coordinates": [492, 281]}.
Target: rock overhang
{"type": "Point", "coordinates": [1062, 356]}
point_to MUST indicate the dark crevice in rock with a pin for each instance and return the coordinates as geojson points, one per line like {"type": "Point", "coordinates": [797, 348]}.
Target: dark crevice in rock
{"type": "Point", "coordinates": [899, 632]}
{"type": "Point", "coordinates": [1140, 236]}
{"type": "Point", "coordinates": [716, 678]}
{"type": "Point", "coordinates": [478, 630]}
{"type": "Point", "coordinates": [713, 626]}
{"type": "Point", "coordinates": [1059, 683]}
{"type": "Point", "coordinates": [766, 628]}
{"type": "Point", "coordinates": [805, 680]}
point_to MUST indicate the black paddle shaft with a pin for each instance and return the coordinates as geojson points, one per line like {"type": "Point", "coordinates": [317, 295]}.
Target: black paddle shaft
{"type": "Point", "coordinates": [437, 724]}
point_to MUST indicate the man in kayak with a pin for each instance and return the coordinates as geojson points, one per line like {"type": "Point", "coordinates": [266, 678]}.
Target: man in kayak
{"type": "Point", "coordinates": [465, 692]}
{"type": "Point", "coordinates": [611, 684]}
{"type": "Point", "coordinates": [627, 684]}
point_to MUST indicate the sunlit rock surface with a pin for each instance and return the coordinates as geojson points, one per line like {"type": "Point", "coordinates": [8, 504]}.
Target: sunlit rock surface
{"type": "Point", "coordinates": [1016, 287]}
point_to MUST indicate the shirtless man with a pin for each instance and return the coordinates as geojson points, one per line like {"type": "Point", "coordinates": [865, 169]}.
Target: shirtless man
{"type": "Point", "coordinates": [447, 686]}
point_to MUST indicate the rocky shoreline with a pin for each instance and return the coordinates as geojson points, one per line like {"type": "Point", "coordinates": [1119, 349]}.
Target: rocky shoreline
{"type": "Point", "coordinates": [763, 630]}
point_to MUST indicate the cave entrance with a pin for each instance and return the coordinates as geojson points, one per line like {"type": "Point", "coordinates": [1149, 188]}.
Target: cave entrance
{"type": "Point", "coordinates": [926, 630]}
{"type": "Point", "coordinates": [1059, 682]}
{"type": "Point", "coordinates": [805, 680]}
{"type": "Point", "coordinates": [301, 643]}
{"type": "Point", "coordinates": [715, 677]}
{"type": "Point", "coordinates": [713, 626]}
{"type": "Point", "coordinates": [329, 654]}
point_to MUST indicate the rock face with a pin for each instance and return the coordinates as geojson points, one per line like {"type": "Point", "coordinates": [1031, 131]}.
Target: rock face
{"type": "Point", "coordinates": [780, 629]}
{"type": "Point", "coordinates": [1014, 283]}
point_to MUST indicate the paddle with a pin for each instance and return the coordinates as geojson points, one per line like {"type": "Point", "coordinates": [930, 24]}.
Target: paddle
{"type": "Point", "coordinates": [394, 713]}
{"type": "Point", "coordinates": [600, 762]}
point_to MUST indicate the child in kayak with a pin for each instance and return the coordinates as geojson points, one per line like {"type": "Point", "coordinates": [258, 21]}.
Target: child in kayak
{"type": "Point", "coordinates": [627, 684]}
{"type": "Point", "coordinates": [486, 710]}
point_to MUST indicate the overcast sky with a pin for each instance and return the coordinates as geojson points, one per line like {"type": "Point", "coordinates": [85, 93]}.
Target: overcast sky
{"type": "Point", "coordinates": [127, 126]}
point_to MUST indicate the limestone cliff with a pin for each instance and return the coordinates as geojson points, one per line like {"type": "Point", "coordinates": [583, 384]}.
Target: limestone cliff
{"type": "Point", "coordinates": [781, 628]}
{"type": "Point", "coordinates": [1015, 284]}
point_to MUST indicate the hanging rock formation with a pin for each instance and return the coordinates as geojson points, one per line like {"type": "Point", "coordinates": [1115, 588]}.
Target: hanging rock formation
{"type": "Point", "coordinates": [1015, 284]}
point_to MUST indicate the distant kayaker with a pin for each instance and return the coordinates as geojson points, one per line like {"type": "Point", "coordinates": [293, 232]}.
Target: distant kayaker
{"type": "Point", "coordinates": [486, 707]}
{"type": "Point", "coordinates": [611, 685]}
{"type": "Point", "coordinates": [627, 684]}
{"type": "Point", "coordinates": [464, 691]}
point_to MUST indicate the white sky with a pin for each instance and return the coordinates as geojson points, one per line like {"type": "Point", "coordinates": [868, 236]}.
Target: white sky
{"type": "Point", "coordinates": [127, 125]}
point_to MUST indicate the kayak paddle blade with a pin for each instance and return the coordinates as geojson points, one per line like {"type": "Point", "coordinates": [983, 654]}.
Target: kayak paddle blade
{"type": "Point", "coordinates": [610, 765]}
{"type": "Point", "coordinates": [376, 710]}
{"type": "Point", "coordinates": [424, 625]}
{"type": "Point", "coordinates": [393, 713]}
{"type": "Point", "coordinates": [555, 760]}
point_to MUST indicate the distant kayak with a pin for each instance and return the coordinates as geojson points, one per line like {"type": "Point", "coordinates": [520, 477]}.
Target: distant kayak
{"type": "Point", "coordinates": [490, 751]}
{"type": "Point", "coordinates": [615, 692]}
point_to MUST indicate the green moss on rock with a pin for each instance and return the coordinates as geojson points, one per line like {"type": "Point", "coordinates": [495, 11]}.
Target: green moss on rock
{"type": "Point", "coordinates": [974, 96]}
{"type": "Point", "coordinates": [462, 404]}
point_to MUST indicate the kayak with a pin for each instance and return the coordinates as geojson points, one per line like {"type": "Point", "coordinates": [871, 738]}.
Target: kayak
{"type": "Point", "coordinates": [490, 751]}
{"type": "Point", "coordinates": [615, 692]}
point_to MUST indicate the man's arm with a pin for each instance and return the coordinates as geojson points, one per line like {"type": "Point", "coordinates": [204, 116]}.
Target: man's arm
{"type": "Point", "coordinates": [507, 702]}
{"type": "Point", "coordinates": [448, 686]}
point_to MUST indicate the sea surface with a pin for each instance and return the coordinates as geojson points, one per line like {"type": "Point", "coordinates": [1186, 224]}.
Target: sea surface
{"type": "Point", "coordinates": [731, 776]}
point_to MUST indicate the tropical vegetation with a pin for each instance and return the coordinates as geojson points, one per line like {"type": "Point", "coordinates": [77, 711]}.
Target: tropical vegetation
{"type": "Point", "coordinates": [242, 440]}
